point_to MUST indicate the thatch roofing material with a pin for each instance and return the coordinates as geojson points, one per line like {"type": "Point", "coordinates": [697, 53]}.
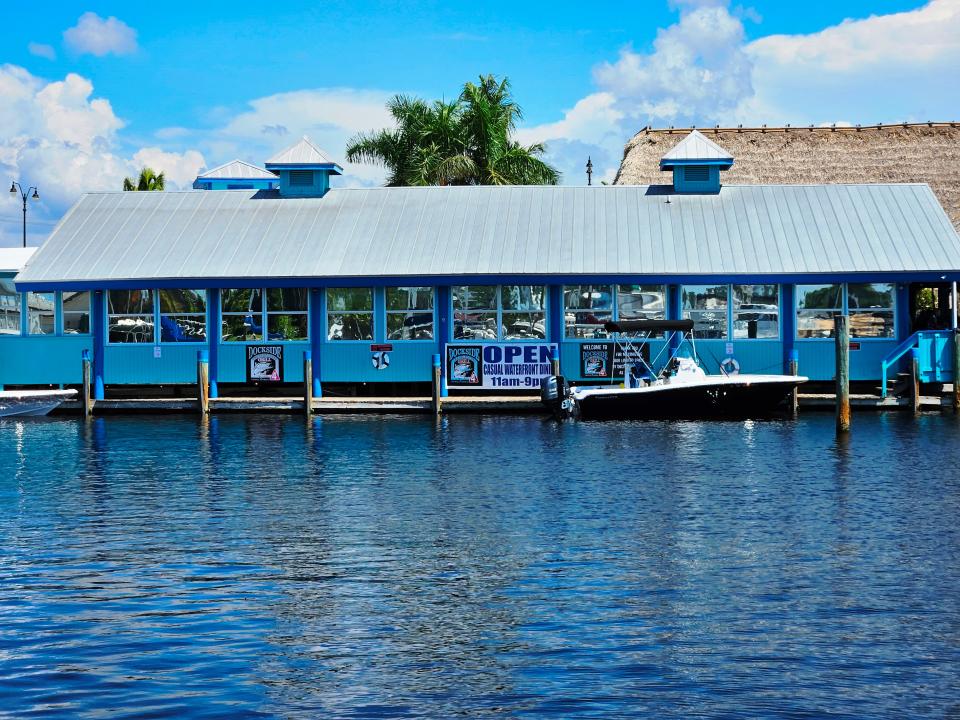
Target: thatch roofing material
{"type": "Point", "coordinates": [927, 153]}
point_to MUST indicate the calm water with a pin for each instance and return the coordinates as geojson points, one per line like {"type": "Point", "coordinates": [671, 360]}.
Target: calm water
{"type": "Point", "coordinates": [258, 566]}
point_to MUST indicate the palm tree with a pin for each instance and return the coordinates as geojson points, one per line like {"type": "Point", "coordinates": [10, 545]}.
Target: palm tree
{"type": "Point", "coordinates": [148, 180]}
{"type": "Point", "coordinates": [464, 142]}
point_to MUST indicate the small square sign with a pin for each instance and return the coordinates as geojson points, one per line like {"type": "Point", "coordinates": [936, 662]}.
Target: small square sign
{"type": "Point", "coordinates": [156, 351]}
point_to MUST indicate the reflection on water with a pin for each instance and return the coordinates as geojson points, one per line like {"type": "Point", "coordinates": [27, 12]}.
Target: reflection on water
{"type": "Point", "coordinates": [267, 566]}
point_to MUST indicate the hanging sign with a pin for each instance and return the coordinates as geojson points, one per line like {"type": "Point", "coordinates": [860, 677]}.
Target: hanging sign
{"type": "Point", "coordinates": [605, 361]}
{"type": "Point", "coordinates": [264, 363]}
{"type": "Point", "coordinates": [854, 345]}
{"type": "Point", "coordinates": [498, 366]}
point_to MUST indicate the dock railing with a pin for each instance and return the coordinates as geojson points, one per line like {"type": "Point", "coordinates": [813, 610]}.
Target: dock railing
{"type": "Point", "coordinates": [935, 355]}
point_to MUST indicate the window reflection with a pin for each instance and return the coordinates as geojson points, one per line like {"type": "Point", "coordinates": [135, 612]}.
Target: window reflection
{"type": "Point", "coordinates": [409, 313]}
{"type": "Point", "coordinates": [706, 305]}
{"type": "Point", "coordinates": [40, 313]}
{"type": "Point", "coordinates": [817, 305]}
{"type": "Point", "coordinates": [130, 316]}
{"type": "Point", "coordinates": [756, 312]}
{"type": "Point", "coordinates": [871, 307]}
{"type": "Point", "coordinates": [350, 313]}
{"type": "Point", "coordinates": [183, 316]}
{"type": "Point", "coordinates": [491, 312]}
{"type": "Point", "coordinates": [76, 312]}
{"type": "Point", "coordinates": [9, 308]}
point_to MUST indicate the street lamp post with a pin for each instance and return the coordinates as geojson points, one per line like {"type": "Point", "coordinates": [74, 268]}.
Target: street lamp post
{"type": "Point", "coordinates": [24, 194]}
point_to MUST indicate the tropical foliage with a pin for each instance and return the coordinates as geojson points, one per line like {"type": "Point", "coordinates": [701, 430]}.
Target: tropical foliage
{"type": "Point", "coordinates": [464, 142]}
{"type": "Point", "coordinates": [148, 180]}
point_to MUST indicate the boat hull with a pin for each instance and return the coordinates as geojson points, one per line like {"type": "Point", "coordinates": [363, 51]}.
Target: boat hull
{"type": "Point", "coordinates": [706, 400]}
{"type": "Point", "coordinates": [32, 403]}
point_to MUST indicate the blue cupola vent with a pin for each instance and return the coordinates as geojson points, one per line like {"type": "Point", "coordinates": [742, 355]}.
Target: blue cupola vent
{"type": "Point", "coordinates": [696, 163]}
{"type": "Point", "coordinates": [304, 170]}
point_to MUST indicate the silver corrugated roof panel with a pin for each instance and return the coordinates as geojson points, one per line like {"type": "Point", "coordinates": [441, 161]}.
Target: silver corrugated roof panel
{"type": "Point", "coordinates": [696, 146]}
{"type": "Point", "coordinates": [237, 170]}
{"type": "Point", "coordinates": [458, 231]}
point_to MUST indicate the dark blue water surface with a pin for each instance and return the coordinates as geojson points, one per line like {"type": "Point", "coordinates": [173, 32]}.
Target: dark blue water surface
{"type": "Point", "coordinates": [264, 566]}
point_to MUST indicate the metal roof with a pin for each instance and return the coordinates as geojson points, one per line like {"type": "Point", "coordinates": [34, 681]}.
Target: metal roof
{"type": "Point", "coordinates": [303, 153]}
{"type": "Point", "coordinates": [695, 147]}
{"type": "Point", "coordinates": [237, 170]}
{"type": "Point", "coordinates": [513, 230]}
{"type": "Point", "coordinates": [12, 259]}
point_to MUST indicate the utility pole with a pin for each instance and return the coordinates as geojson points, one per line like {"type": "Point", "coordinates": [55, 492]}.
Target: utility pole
{"type": "Point", "coordinates": [24, 194]}
{"type": "Point", "coordinates": [589, 171]}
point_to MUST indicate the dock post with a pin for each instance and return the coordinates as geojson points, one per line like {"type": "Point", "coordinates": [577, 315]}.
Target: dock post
{"type": "Point", "coordinates": [915, 380]}
{"type": "Point", "coordinates": [841, 332]}
{"type": "Point", "coordinates": [307, 382]}
{"type": "Point", "coordinates": [436, 383]}
{"type": "Point", "coordinates": [956, 370]}
{"type": "Point", "coordinates": [203, 381]}
{"type": "Point", "coordinates": [555, 361]}
{"type": "Point", "coordinates": [87, 400]}
{"type": "Point", "coordinates": [795, 393]}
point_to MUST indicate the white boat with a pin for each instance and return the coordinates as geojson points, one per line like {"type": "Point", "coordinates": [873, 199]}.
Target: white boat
{"type": "Point", "coordinates": [681, 388]}
{"type": "Point", "coordinates": [22, 403]}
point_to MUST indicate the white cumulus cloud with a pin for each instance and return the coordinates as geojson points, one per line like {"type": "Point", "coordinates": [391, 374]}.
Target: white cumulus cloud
{"type": "Point", "coordinates": [702, 71]}
{"type": "Point", "coordinates": [63, 140]}
{"type": "Point", "coordinates": [95, 35]}
{"type": "Point", "coordinates": [41, 50]}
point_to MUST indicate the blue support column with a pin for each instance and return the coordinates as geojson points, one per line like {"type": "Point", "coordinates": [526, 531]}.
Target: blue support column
{"type": "Point", "coordinates": [379, 315]}
{"type": "Point", "coordinates": [555, 314]}
{"type": "Point", "coordinates": [443, 333]}
{"type": "Point", "coordinates": [674, 312]}
{"type": "Point", "coordinates": [788, 323]}
{"type": "Point", "coordinates": [902, 311]}
{"type": "Point", "coordinates": [316, 337]}
{"type": "Point", "coordinates": [213, 339]}
{"type": "Point", "coordinates": [99, 311]}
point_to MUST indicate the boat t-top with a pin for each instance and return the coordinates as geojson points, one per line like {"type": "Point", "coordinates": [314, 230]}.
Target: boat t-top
{"type": "Point", "coordinates": [679, 387]}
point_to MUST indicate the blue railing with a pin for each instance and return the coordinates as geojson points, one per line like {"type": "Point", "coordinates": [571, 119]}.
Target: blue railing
{"type": "Point", "coordinates": [934, 351]}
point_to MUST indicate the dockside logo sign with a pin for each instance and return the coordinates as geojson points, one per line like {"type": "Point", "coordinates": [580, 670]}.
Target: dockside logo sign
{"type": "Point", "coordinates": [604, 361]}
{"type": "Point", "coordinates": [265, 363]}
{"type": "Point", "coordinates": [498, 366]}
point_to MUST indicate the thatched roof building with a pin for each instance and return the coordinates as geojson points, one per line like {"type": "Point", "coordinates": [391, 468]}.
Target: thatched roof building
{"type": "Point", "coordinates": [927, 153]}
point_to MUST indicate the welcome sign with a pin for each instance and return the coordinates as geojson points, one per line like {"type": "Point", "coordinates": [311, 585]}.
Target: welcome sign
{"type": "Point", "coordinates": [498, 366]}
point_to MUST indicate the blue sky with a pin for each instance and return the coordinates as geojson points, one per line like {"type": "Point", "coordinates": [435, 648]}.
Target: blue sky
{"type": "Point", "coordinates": [95, 90]}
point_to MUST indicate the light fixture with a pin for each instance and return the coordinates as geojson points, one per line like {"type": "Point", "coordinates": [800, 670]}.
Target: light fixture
{"type": "Point", "coordinates": [35, 196]}
{"type": "Point", "coordinates": [13, 187]}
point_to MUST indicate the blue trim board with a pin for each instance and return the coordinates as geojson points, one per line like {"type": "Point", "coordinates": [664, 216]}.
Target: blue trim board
{"type": "Point", "coordinates": [213, 340]}
{"type": "Point", "coordinates": [532, 279]}
{"type": "Point", "coordinates": [317, 320]}
{"type": "Point", "coordinates": [670, 164]}
{"type": "Point", "coordinates": [98, 302]}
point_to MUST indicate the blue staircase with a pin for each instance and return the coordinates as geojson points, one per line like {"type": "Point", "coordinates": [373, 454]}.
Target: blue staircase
{"type": "Point", "coordinates": [934, 350]}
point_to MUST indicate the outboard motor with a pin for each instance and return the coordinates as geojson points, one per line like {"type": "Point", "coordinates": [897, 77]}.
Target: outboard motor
{"type": "Point", "coordinates": [553, 394]}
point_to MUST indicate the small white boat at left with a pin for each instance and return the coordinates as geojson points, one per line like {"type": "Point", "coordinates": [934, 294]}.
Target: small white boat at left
{"type": "Point", "coordinates": [22, 403]}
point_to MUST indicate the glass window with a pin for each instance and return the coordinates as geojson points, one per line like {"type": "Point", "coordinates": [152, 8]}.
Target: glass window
{"type": "Point", "coordinates": [706, 305]}
{"type": "Point", "coordinates": [524, 315]}
{"type": "Point", "coordinates": [756, 312]}
{"type": "Point", "coordinates": [287, 314]}
{"type": "Point", "coordinates": [40, 313]}
{"type": "Point", "coordinates": [491, 312]}
{"type": "Point", "coordinates": [183, 316]}
{"type": "Point", "coordinates": [130, 316]}
{"type": "Point", "coordinates": [585, 309]}
{"type": "Point", "coordinates": [76, 312]}
{"type": "Point", "coordinates": [9, 308]}
{"type": "Point", "coordinates": [350, 313]}
{"type": "Point", "coordinates": [409, 313]}
{"type": "Point", "coordinates": [641, 302]}
{"type": "Point", "coordinates": [241, 313]}
{"type": "Point", "coordinates": [816, 307]}
{"type": "Point", "coordinates": [475, 312]}
{"type": "Point", "coordinates": [871, 307]}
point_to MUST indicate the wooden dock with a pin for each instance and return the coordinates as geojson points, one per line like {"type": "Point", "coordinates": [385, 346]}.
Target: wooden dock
{"type": "Point", "coordinates": [484, 404]}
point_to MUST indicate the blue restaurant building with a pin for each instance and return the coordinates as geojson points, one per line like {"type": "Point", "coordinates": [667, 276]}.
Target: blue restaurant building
{"type": "Point", "coordinates": [373, 282]}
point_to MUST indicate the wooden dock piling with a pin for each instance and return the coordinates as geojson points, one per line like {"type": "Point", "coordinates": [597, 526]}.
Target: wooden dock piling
{"type": "Point", "coordinates": [87, 398]}
{"type": "Point", "coordinates": [203, 381]}
{"type": "Point", "coordinates": [915, 381]}
{"type": "Point", "coordinates": [307, 382]}
{"type": "Point", "coordinates": [841, 332]}
{"type": "Point", "coordinates": [437, 383]}
{"type": "Point", "coordinates": [795, 394]}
